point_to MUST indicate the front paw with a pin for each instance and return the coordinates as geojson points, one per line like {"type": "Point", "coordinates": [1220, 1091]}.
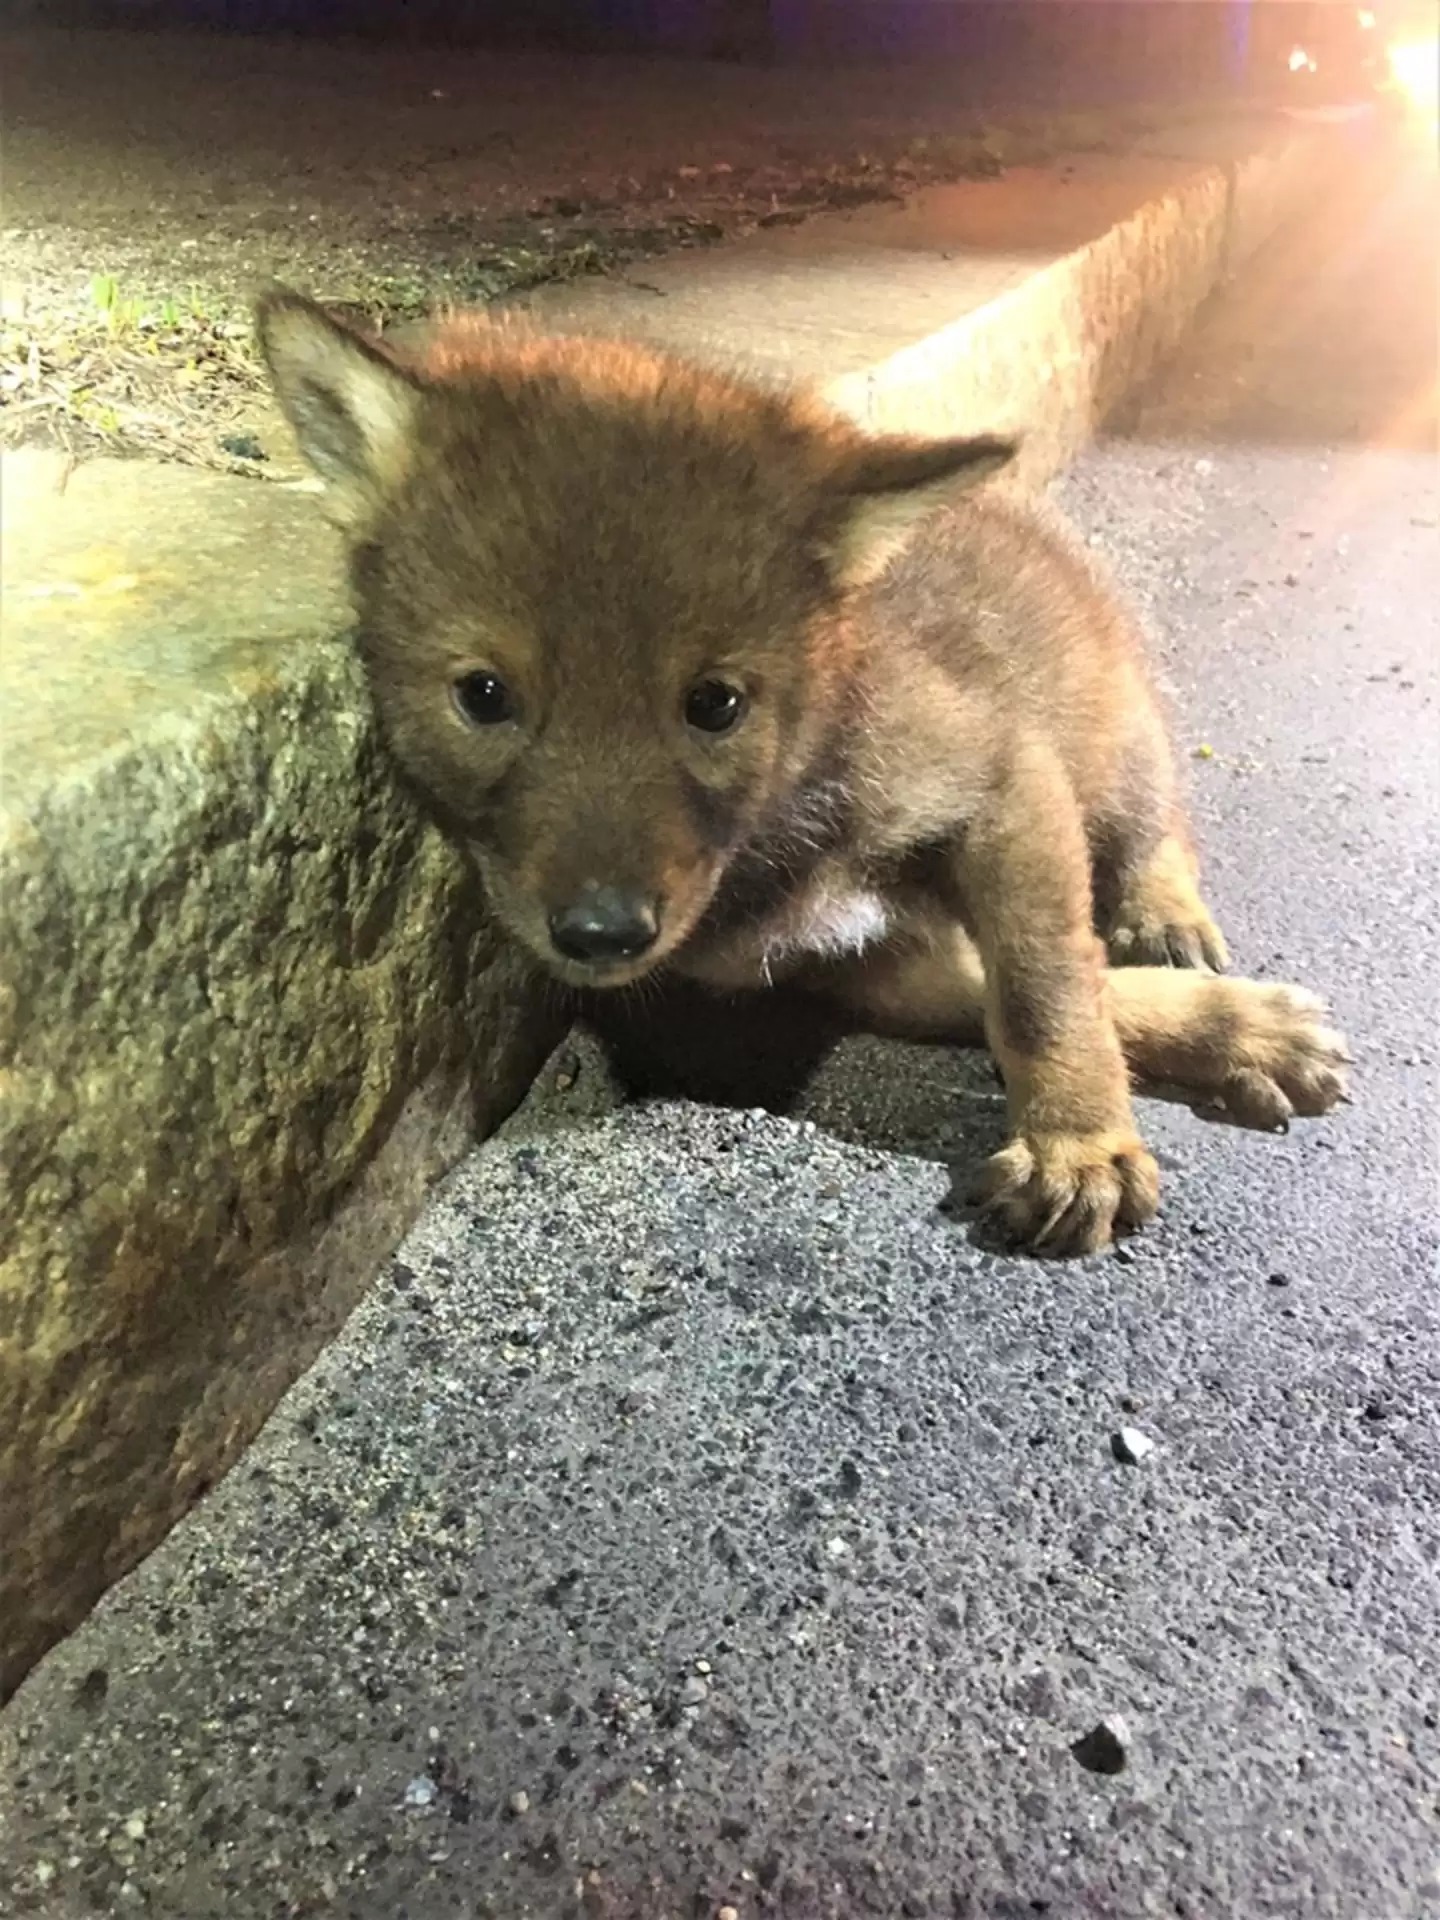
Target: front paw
{"type": "Point", "coordinates": [1066, 1193]}
{"type": "Point", "coordinates": [1276, 1057]}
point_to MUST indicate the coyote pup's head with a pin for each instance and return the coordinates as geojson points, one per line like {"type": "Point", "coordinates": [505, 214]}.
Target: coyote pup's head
{"type": "Point", "coordinates": [602, 602]}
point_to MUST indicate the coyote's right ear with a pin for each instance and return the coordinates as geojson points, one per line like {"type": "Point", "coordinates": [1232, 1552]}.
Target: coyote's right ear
{"type": "Point", "coordinates": [352, 407]}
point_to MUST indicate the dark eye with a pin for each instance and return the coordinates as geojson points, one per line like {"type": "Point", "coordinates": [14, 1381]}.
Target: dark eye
{"type": "Point", "coordinates": [713, 706]}
{"type": "Point", "coordinates": [483, 699]}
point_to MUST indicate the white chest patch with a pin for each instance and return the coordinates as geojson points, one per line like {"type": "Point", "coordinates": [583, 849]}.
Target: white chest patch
{"type": "Point", "coordinates": [829, 923]}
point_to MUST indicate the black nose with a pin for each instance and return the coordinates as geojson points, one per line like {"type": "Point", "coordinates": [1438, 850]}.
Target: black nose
{"type": "Point", "coordinates": [602, 923]}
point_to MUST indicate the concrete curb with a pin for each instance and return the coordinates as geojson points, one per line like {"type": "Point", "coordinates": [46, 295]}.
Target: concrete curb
{"type": "Point", "coordinates": [1054, 356]}
{"type": "Point", "coordinates": [1049, 348]}
{"type": "Point", "coordinates": [248, 1012]}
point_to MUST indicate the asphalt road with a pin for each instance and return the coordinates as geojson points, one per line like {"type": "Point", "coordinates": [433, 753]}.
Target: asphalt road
{"type": "Point", "coordinates": [694, 1519]}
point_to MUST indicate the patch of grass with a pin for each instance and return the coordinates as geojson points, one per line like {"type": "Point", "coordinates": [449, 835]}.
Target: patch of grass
{"type": "Point", "coordinates": [129, 314]}
{"type": "Point", "coordinates": [121, 372]}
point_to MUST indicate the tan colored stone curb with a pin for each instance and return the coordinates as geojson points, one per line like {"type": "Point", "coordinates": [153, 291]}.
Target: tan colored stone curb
{"type": "Point", "coordinates": [247, 1009]}
{"type": "Point", "coordinates": [932, 319]}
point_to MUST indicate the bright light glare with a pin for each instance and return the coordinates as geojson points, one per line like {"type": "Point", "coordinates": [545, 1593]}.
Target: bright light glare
{"type": "Point", "coordinates": [1366, 19]}
{"type": "Point", "coordinates": [1415, 69]}
{"type": "Point", "coordinates": [1300, 61]}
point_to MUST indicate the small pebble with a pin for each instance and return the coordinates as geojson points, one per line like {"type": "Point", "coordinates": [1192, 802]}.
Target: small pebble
{"type": "Point", "coordinates": [1130, 1446]}
{"type": "Point", "coordinates": [92, 1690]}
{"type": "Point", "coordinates": [242, 446]}
{"type": "Point", "coordinates": [135, 1827]}
{"type": "Point", "coordinates": [1278, 1280]}
{"type": "Point", "coordinates": [1039, 1694]}
{"type": "Point", "coordinates": [519, 1803]}
{"type": "Point", "coordinates": [420, 1792]}
{"type": "Point", "coordinates": [694, 1691]}
{"type": "Point", "coordinates": [728, 1913]}
{"type": "Point", "coordinates": [1106, 1748]}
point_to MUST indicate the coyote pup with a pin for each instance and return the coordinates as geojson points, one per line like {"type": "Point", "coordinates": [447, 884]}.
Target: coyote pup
{"type": "Point", "coordinates": [706, 680]}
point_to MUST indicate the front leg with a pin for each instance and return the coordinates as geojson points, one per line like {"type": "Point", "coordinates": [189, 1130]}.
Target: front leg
{"type": "Point", "coordinates": [1076, 1169]}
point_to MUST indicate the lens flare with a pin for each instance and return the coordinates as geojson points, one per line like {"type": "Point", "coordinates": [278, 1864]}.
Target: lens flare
{"type": "Point", "coordinates": [1415, 71]}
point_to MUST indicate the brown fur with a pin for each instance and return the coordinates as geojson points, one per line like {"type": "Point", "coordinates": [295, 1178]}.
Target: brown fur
{"type": "Point", "coordinates": [950, 788]}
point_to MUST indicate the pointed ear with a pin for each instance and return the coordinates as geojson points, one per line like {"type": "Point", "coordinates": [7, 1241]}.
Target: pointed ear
{"type": "Point", "coordinates": [893, 483]}
{"type": "Point", "coordinates": [351, 406]}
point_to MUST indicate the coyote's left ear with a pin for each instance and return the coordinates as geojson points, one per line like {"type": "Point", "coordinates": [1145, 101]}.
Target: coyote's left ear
{"type": "Point", "coordinates": [351, 406]}
{"type": "Point", "coordinates": [893, 483]}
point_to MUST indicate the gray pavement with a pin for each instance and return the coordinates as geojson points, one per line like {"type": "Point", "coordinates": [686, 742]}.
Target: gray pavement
{"type": "Point", "coordinates": [695, 1519]}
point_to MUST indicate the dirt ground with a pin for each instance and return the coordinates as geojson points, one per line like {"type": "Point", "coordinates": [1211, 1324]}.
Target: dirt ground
{"type": "Point", "coordinates": [152, 182]}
